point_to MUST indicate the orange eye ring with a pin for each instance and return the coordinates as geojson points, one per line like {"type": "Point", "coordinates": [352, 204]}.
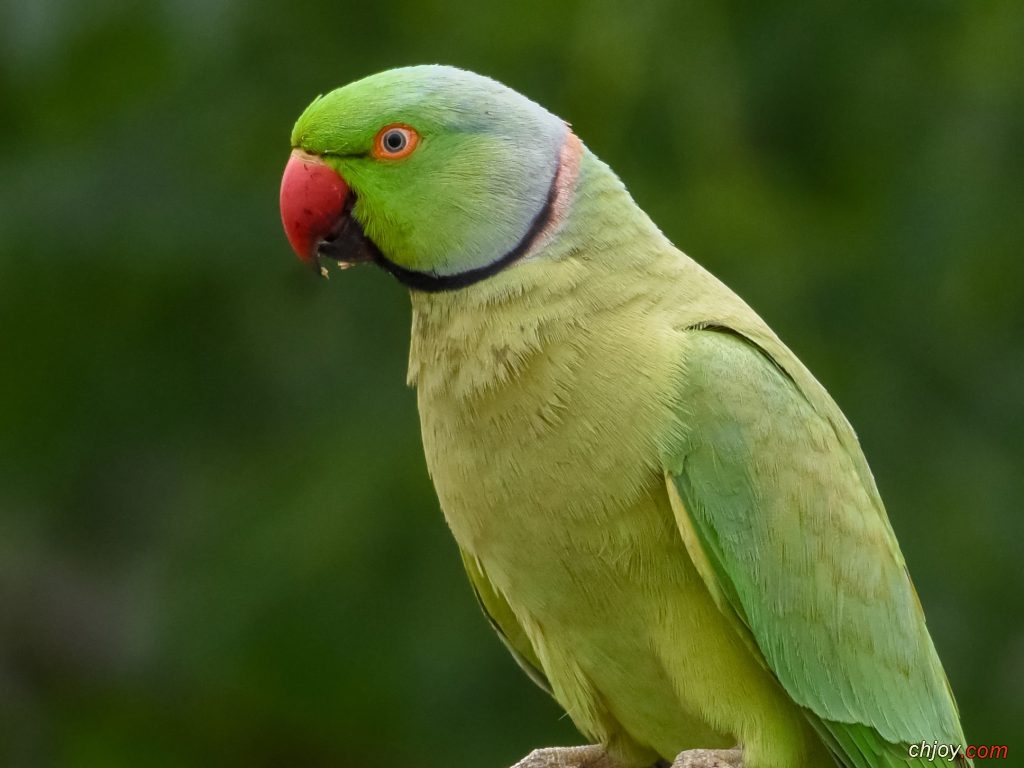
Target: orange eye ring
{"type": "Point", "coordinates": [395, 141]}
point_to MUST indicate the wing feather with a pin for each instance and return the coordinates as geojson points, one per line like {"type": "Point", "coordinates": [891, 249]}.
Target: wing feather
{"type": "Point", "coordinates": [771, 487]}
{"type": "Point", "coordinates": [500, 616]}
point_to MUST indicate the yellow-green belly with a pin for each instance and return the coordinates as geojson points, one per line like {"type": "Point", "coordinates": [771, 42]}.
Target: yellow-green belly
{"type": "Point", "coordinates": [573, 528]}
{"type": "Point", "coordinates": [547, 463]}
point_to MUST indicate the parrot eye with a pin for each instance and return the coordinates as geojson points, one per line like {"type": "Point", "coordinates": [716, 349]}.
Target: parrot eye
{"type": "Point", "coordinates": [393, 142]}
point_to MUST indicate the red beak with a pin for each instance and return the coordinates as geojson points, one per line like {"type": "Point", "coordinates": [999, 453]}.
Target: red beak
{"type": "Point", "coordinates": [312, 202]}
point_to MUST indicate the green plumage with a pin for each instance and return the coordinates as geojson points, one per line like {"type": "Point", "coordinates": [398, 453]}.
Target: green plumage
{"type": "Point", "coordinates": [664, 515]}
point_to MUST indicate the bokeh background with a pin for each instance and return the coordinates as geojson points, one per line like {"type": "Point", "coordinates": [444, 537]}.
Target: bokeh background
{"type": "Point", "coordinates": [218, 541]}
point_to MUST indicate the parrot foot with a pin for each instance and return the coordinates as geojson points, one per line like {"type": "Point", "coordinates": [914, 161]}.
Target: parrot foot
{"type": "Point", "coordinates": [709, 758]}
{"type": "Point", "coordinates": [590, 756]}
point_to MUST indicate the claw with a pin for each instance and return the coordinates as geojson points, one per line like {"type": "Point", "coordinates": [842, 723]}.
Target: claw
{"type": "Point", "coordinates": [590, 756]}
{"type": "Point", "coordinates": [709, 758]}
{"type": "Point", "coordinates": [595, 756]}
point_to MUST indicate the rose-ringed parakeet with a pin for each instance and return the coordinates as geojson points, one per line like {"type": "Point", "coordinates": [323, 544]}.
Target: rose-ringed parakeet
{"type": "Point", "coordinates": [664, 515]}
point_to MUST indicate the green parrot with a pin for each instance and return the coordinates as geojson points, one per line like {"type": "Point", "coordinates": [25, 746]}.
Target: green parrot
{"type": "Point", "coordinates": [663, 514]}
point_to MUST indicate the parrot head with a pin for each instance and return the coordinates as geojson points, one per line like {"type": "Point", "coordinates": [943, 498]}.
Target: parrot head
{"type": "Point", "coordinates": [438, 175]}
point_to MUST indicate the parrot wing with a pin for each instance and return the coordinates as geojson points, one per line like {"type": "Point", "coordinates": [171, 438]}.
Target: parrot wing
{"type": "Point", "coordinates": [504, 621]}
{"type": "Point", "coordinates": [782, 518]}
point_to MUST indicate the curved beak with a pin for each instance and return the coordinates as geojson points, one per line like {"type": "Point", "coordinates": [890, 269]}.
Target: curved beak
{"type": "Point", "coordinates": [316, 205]}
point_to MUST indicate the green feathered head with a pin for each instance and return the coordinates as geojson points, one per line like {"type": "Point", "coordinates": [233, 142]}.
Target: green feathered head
{"type": "Point", "coordinates": [437, 174]}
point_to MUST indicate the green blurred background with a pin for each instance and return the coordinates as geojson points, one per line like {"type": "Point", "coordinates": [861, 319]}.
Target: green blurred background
{"type": "Point", "coordinates": [218, 541]}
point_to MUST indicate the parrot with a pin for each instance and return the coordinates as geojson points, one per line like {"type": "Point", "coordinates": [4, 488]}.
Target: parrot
{"type": "Point", "coordinates": [662, 513]}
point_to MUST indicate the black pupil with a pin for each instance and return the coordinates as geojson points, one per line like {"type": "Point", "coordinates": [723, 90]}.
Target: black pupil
{"type": "Point", "coordinates": [394, 141]}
